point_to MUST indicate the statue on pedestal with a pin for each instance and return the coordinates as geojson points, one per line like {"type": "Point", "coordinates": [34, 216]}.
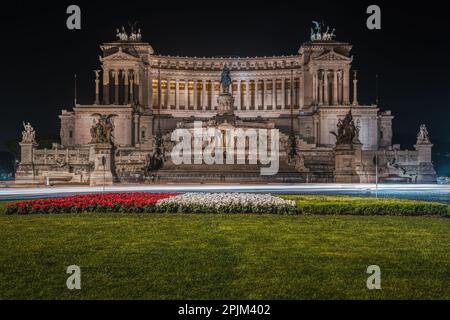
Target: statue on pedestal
{"type": "Point", "coordinates": [347, 130]}
{"type": "Point", "coordinates": [28, 133]}
{"type": "Point", "coordinates": [101, 131]}
{"type": "Point", "coordinates": [225, 100]}
{"type": "Point", "coordinates": [225, 80]}
{"type": "Point", "coordinates": [422, 137]}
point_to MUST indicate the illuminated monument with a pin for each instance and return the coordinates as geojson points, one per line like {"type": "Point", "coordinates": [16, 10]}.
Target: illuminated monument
{"type": "Point", "coordinates": [146, 96]}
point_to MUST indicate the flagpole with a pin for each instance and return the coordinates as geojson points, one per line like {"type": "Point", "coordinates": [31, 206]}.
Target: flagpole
{"type": "Point", "coordinates": [376, 90]}
{"type": "Point", "coordinates": [75, 91]}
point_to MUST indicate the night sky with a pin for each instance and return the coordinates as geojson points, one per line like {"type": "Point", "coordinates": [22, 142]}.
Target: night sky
{"type": "Point", "coordinates": [39, 55]}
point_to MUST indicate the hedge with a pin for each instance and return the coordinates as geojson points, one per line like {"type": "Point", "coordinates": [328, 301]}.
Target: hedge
{"type": "Point", "coordinates": [345, 205]}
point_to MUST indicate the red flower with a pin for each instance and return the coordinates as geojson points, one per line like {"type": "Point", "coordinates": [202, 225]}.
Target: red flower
{"type": "Point", "coordinates": [126, 201]}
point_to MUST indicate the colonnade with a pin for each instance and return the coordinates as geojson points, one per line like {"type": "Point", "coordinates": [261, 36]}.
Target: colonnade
{"type": "Point", "coordinates": [330, 87]}
{"type": "Point", "coordinates": [249, 94]}
{"type": "Point", "coordinates": [120, 86]}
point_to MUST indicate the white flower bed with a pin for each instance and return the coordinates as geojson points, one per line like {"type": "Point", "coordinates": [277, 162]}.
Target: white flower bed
{"type": "Point", "coordinates": [226, 203]}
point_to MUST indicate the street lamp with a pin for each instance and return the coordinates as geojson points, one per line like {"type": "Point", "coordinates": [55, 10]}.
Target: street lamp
{"type": "Point", "coordinates": [104, 172]}
{"type": "Point", "coordinates": [375, 160]}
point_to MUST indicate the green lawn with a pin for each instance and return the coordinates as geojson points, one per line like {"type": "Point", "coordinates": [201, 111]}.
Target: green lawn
{"type": "Point", "coordinates": [134, 256]}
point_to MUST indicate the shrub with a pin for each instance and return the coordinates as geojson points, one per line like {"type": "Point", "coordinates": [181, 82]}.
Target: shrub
{"type": "Point", "coordinates": [345, 205]}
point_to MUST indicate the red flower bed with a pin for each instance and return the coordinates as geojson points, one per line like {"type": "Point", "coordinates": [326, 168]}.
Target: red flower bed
{"type": "Point", "coordinates": [104, 202]}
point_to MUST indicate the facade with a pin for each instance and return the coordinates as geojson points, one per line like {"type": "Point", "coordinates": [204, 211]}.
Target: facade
{"type": "Point", "coordinates": [148, 94]}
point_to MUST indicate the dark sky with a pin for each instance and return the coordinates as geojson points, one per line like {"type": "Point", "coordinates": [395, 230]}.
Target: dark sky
{"type": "Point", "coordinates": [40, 55]}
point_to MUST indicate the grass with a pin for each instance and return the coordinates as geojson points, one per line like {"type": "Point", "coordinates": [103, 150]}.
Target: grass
{"type": "Point", "coordinates": [131, 256]}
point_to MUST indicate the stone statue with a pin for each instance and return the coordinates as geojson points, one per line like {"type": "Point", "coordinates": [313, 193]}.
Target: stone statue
{"type": "Point", "coordinates": [225, 79]}
{"type": "Point", "coordinates": [346, 130]}
{"type": "Point", "coordinates": [139, 35]}
{"type": "Point", "coordinates": [422, 137]}
{"type": "Point", "coordinates": [122, 34]}
{"type": "Point", "coordinates": [316, 31]}
{"type": "Point", "coordinates": [101, 131]}
{"type": "Point", "coordinates": [333, 34]}
{"type": "Point", "coordinates": [97, 74]}
{"type": "Point", "coordinates": [356, 139]}
{"type": "Point", "coordinates": [318, 35]}
{"type": "Point", "coordinates": [393, 168]}
{"type": "Point", "coordinates": [28, 133]}
{"type": "Point", "coordinates": [133, 36]}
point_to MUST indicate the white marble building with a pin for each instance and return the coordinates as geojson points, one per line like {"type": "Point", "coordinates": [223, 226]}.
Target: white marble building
{"type": "Point", "coordinates": [316, 87]}
{"type": "Point", "coordinates": [323, 89]}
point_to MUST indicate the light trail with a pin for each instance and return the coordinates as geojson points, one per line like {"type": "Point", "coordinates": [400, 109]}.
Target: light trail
{"type": "Point", "coordinates": [425, 192]}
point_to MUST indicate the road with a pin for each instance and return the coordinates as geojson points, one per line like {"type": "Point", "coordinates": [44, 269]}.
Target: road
{"type": "Point", "coordinates": [422, 192]}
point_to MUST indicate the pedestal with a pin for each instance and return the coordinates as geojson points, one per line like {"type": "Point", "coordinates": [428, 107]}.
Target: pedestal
{"type": "Point", "coordinates": [102, 174]}
{"type": "Point", "coordinates": [25, 170]}
{"type": "Point", "coordinates": [226, 104]}
{"type": "Point", "coordinates": [425, 170]}
{"type": "Point", "coordinates": [346, 161]}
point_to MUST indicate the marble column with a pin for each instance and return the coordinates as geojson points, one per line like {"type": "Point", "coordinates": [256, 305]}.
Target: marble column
{"type": "Point", "coordinates": [213, 95]}
{"type": "Point", "coordinates": [274, 94]}
{"type": "Point", "coordinates": [136, 129]}
{"type": "Point", "coordinates": [167, 102]}
{"type": "Point", "coordinates": [301, 90]}
{"type": "Point", "coordinates": [335, 87]}
{"type": "Point", "coordinates": [346, 88]}
{"type": "Point", "coordinates": [97, 87]}
{"type": "Point", "coordinates": [239, 96]}
{"type": "Point", "coordinates": [247, 95]}
{"type": "Point", "coordinates": [186, 94]}
{"type": "Point", "coordinates": [315, 100]}
{"type": "Point", "coordinates": [326, 91]}
{"type": "Point", "coordinates": [195, 94]}
{"type": "Point", "coordinates": [265, 94]}
{"type": "Point", "coordinates": [177, 94]}
{"type": "Point", "coordinates": [116, 86]}
{"type": "Point", "coordinates": [132, 88]}
{"type": "Point", "coordinates": [257, 95]}
{"type": "Point", "coordinates": [320, 87]}
{"type": "Point", "coordinates": [283, 93]}
{"type": "Point", "coordinates": [106, 86]}
{"type": "Point", "coordinates": [355, 89]}
{"type": "Point", "coordinates": [290, 89]}
{"type": "Point", "coordinates": [149, 89]}
{"type": "Point", "coordinates": [137, 83]}
{"type": "Point", "coordinates": [204, 95]}
{"type": "Point", "coordinates": [125, 88]}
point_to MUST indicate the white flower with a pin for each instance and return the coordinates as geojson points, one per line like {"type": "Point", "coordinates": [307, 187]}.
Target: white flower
{"type": "Point", "coordinates": [223, 200]}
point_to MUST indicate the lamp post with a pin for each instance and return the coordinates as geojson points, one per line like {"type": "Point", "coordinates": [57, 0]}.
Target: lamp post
{"type": "Point", "coordinates": [104, 172]}
{"type": "Point", "coordinates": [375, 159]}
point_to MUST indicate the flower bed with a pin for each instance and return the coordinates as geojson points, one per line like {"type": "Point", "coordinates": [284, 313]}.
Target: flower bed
{"type": "Point", "coordinates": [105, 202]}
{"type": "Point", "coordinates": [141, 202]}
{"type": "Point", "coordinates": [226, 203]}
{"type": "Point", "coordinates": [158, 202]}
